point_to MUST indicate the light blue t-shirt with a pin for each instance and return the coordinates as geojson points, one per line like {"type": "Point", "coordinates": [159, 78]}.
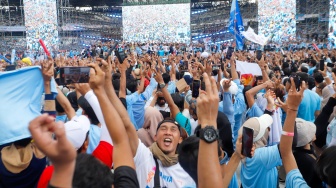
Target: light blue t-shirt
{"type": "Point", "coordinates": [254, 111]}
{"type": "Point", "coordinates": [94, 138]}
{"type": "Point", "coordinates": [310, 103]}
{"type": "Point", "coordinates": [311, 71]}
{"type": "Point", "coordinates": [171, 87]}
{"type": "Point", "coordinates": [261, 171]}
{"type": "Point", "coordinates": [331, 131]}
{"type": "Point", "coordinates": [130, 100]}
{"type": "Point", "coordinates": [294, 179]}
{"type": "Point", "coordinates": [62, 118]}
{"type": "Point", "coordinates": [183, 122]}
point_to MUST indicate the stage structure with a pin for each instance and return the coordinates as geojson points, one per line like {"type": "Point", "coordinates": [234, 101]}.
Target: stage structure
{"type": "Point", "coordinates": [312, 18]}
{"type": "Point", "coordinates": [41, 24]}
{"type": "Point", "coordinates": [157, 22]}
{"type": "Point", "coordinates": [212, 18]}
{"type": "Point", "coordinates": [277, 19]}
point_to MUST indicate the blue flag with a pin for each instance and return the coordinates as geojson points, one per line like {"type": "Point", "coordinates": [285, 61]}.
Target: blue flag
{"type": "Point", "coordinates": [236, 25]}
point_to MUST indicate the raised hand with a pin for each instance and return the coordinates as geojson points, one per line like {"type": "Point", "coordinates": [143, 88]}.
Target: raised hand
{"type": "Point", "coordinates": [47, 67]}
{"type": "Point", "coordinates": [207, 102]}
{"type": "Point", "coordinates": [97, 77]}
{"type": "Point", "coordinates": [295, 97]}
{"type": "Point", "coordinates": [60, 151]}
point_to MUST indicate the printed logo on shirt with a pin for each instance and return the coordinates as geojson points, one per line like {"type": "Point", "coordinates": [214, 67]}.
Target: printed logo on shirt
{"type": "Point", "coordinates": [151, 174]}
{"type": "Point", "coordinates": [166, 178]}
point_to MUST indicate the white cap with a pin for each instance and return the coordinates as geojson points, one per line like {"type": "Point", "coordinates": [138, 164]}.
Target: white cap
{"type": "Point", "coordinates": [265, 121]}
{"type": "Point", "coordinates": [233, 88]}
{"type": "Point", "coordinates": [305, 132]}
{"type": "Point", "coordinates": [205, 55]}
{"type": "Point", "coordinates": [77, 129]}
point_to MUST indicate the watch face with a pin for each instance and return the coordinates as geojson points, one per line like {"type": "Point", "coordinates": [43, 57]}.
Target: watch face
{"type": "Point", "coordinates": [210, 135]}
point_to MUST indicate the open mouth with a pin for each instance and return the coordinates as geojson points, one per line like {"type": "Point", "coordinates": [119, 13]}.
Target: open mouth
{"type": "Point", "coordinates": [167, 141]}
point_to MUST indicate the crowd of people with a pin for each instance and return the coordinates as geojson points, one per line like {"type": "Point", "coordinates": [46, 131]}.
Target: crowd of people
{"type": "Point", "coordinates": [159, 23]}
{"type": "Point", "coordinates": [277, 19]}
{"type": "Point", "coordinates": [169, 120]}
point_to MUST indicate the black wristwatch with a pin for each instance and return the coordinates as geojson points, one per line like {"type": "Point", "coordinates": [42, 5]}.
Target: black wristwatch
{"type": "Point", "coordinates": [162, 85]}
{"type": "Point", "coordinates": [209, 134]}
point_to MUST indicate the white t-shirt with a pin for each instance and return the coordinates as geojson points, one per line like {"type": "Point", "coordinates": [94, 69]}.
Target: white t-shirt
{"type": "Point", "coordinates": [173, 176]}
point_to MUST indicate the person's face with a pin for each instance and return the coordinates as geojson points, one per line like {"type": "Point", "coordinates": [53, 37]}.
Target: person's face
{"type": "Point", "coordinates": [161, 101]}
{"type": "Point", "coordinates": [168, 137]}
{"type": "Point", "coordinates": [260, 81]}
{"type": "Point", "coordinates": [318, 91]}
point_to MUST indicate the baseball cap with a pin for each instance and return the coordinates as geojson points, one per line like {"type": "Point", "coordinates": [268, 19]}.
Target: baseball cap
{"type": "Point", "coordinates": [305, 132]}
{"type": "Point", "coordinates": [233, 88]}
{"type": "Point", "coordinates": [76, 130]}
{"type": "Point", "coordinates": [205, 55]}
{"type": "Point", "coordinates": [137, 73]}
{"type": "Point", "coordinates": [259, 125]}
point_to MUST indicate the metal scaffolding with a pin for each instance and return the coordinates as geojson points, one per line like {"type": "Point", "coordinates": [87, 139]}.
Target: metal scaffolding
{"type": "Point", "coordinates": [12, 30]}
{"type": "Point", "coordinates": [312, 19]}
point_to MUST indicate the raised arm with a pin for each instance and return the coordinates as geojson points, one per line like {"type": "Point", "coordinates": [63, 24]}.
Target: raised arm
{"type": "Point", "coordinates": [65, 103]}
{"type": "Point", "coordinates": [113, 98]}
{"type": "Point", "coordinates": [60, 151]}
{"type": "Point", "coordinates": [173, 108]}
{"type": "Point", "coordinates": [293, 102]}
{"type": "Point", "coordinates": [208, 170]}
{"type": "Point", "coordinates": [253, 91]}
{"type": "Point", "coordinates": [122, 89]}
{"type": "Point", "coordinates": [122, 154]}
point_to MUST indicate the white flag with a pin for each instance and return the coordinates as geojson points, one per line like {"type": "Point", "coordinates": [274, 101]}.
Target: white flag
{"type": "Point", "coordinates": [253, 37]}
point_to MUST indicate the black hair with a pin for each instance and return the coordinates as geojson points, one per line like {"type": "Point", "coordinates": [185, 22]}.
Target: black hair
{"type": "Point", "coordinates": [72, 97]}
{"type": "Point", "coordinates": [246, 88]}
{"type": "Point", "coordinates": [166, 78]}
{"type": "Point", "coordinates": [310, 83]}
{"type": "Point", "coordinates": [132, 85]}
{"type": "Point", "coordinates": [304, 69]}
{"type": "Point", "coordinates": [318, 77]}
{"type": "Point", "coordinates": [277, 68]}
{"type": "Point", "coordinates": [178, 100]}
{"type": "Point", "coordinates": [188, 156]}
{"type": "Point", "coordinates": [303, 77]}
{"type": "Point", "coordinates": [85, 105]}
{"type": "Point", "coordinates": [59, 108]}
{"type": "Point", "coordinates": [313, 62]}
{"type": "Point", "coordinates": [286, 72]}
{"type": "Point", "coordinates": [116, 76]}
{"type": "Point", "coordinates": [90, 172]}
{"type": "Point", "coordinates": [326, 166]}
{"type": "Point", "coordinates": [116, 84]}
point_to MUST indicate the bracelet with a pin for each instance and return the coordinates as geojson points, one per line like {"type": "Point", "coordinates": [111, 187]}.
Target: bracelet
{"type": "Point", "coordinates": [292, 109]}
{"type": "Point", "coordinates": [287, 133]}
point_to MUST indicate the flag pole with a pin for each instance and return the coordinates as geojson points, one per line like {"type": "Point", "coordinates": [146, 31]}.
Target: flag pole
{"type": "Point", "coordinates": [235, 24]}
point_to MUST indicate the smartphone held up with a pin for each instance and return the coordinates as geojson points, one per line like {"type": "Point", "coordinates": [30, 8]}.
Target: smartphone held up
{"type": "Point", "coordinates": [70, 75]}
{"type": "Point", "coordinates": [247, 141]}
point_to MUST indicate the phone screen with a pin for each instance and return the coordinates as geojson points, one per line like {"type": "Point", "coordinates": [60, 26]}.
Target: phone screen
{"type": "Point", "coordinates": [69, 75]}
{"type": "Point", "coordinates": [321, 64]}
{"type": "Point", "coordinates": [229, 53]}
{"type": "Point", "coordinates": [195, 88]}
{"type": "Point", "coordinates": [247, 141]}
{"type": "Point", "coordinates": [259, 54]}
{"type": "Point", "coordinates": [120, 55]}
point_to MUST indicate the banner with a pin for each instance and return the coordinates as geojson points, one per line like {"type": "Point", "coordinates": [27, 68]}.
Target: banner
{"type": "Point", "coordinates": [253, 37]}
{"type": "Point", "coordinates": [248, 68]}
